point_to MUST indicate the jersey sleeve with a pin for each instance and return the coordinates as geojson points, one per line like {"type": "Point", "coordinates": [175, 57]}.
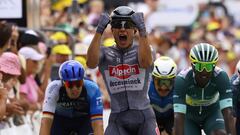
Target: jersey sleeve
{"type": "Point", "coordinates": [235, 88]}
{"type": "Point", "coordinates": [225, 91]}
{"type": "Point", "coordinates": [95, 99]}
{"type": "Point", "coordinates": [102, 52]}
{"type": "Point", "coordinates": [51, 98]}
{"type": "Point", "coordinates": [179, 104]}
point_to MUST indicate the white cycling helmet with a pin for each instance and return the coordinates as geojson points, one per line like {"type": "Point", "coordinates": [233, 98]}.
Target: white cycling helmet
{"type": "Point", "coordinates": [164, 68]}
{"type": "Point", "coordinates": [203, 52]}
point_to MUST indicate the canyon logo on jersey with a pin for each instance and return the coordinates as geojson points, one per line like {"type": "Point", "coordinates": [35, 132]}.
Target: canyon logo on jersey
{"type": "Point", "coordinates": [123, 71]}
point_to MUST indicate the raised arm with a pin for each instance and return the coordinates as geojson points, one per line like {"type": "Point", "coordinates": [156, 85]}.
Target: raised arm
{"type": "Point", "coordinates": [93, 53]}
{"type": "Point", "coordinates": [144, 51]}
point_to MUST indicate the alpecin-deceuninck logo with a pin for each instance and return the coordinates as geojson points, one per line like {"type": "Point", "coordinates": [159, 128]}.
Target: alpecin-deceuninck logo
{"type": "Point", "coordinates": [123, 71]}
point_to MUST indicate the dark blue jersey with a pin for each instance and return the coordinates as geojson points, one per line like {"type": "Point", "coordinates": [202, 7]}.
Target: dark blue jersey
{"type": "Point", "coordinates": [235, 83]}
{"type": "Point", "coordinates": [88, 104]}
{"type": "Point", "coordinates": [162, 106]}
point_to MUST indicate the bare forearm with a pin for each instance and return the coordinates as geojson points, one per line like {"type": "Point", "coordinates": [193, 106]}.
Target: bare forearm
{"type": "Point", "coordinates": [3, 102]}
{"type": "Point", "coordinates": [228, 118]}
{"type": "Point", "coordinates": [178, 127]}
{"type": "Point", "coordinates": [98, 127]}
{"type": "Point", "coordinates": [46, 125]}
{"type": "Point", "coordinates": [144, 54]}
{"type": "Point", "coordinates": [94, 51]}
{"type": "Point", "coordinates": [2, 106]}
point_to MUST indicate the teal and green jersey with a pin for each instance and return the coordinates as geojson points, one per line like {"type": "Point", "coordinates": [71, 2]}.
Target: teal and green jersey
{"type": "Point", "coordinates": [194, 101]}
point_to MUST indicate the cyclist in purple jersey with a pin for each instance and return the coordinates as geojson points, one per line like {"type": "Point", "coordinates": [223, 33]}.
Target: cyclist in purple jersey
{"type": "Point", "coordinates": [126, 70]}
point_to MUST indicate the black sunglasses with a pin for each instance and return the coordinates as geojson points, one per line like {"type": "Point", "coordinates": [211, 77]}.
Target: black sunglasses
{"type": "Point", "coordinates": [122, 24]}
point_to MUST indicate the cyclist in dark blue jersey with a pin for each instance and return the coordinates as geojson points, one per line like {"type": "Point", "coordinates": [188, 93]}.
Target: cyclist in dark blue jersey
{"type": "Point", "coordinates": [72, 104]}
{"type": "Point", "coordinates": [235, 83]}
{"type": "Point", "coordinates": [161, 92]}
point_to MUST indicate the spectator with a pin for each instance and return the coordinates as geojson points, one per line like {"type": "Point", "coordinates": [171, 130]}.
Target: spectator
{"type": "Point", "coordinates": [5, 35]}
{"type": "Point", "coordinates": [29, 38]}
{"type": "Point", "coordinates": [30, 91]}
{"type": "Point", "coordinates": [6, 32]}
{"type": "Point", "coordinates": [10, 69]}
{"type": "Point", "coordinates": [62, 53]}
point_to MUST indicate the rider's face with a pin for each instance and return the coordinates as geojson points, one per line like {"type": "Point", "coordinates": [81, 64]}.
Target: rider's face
{"type": "Point", "coordinates": [123, 35]}
{"type": "Point", "coordinates": [163, 86]}
{"type": "Point", "coordinates": [73, 89]}
{"type": "Point", "coordinates": [203, 77]}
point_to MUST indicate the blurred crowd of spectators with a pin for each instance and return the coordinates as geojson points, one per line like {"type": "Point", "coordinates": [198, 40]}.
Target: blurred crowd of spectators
{"type": "Point", "coordinates": [28, 62]}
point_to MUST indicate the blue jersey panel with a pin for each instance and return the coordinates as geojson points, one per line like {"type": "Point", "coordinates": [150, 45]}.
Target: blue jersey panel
{"type": "Point", "coordinates": [235, 83]}
{"type": "Point", "coordinates": [162, 106]}
{"type": "Point", "coordinates": [88, 104]}
{"type": "Point", "coordinates": [94, 97]}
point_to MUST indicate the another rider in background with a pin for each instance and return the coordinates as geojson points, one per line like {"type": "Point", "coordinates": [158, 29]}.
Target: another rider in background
{"type": "Point", "coordinates": [161, 92]}
{"type": "Point", "coordinates": [126, 69]}
{"type": "Point", "coordinates": [60, 53]}
{"type": "Point", "coordinates": [72, 104]}
{"type": "Point", "coordinates": [203, 96]}
{"type": "Point", "coordinates": [235, 82]}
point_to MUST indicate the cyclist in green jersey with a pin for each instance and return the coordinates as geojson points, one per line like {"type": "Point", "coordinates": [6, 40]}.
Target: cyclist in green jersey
{"type": "Point", "coordinates": [202, 96]}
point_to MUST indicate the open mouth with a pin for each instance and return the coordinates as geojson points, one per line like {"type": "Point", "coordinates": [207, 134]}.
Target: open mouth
{"type": "Point", "coordinates": [122, 37]}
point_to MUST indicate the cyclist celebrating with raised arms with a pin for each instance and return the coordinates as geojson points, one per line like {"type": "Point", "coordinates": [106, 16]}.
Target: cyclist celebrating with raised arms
{"type": "Point", "coordinates": [161, 92]}
{"type": "Point", "coordinates": [203, 96]}
{"type": "Point", "coordinates": [72, 104]}
{"type": "Point", "coordinates": [126, 69]}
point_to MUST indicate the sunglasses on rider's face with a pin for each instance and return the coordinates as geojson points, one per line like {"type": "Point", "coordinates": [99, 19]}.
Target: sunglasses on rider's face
{"type": "Point", "coordinates": [122, 24]}
{"type": "Point", "coordinates": [167, 82]}
{"type": "Point", "coordinates": [201, 66]}
{"type": "Point", "coordinates": [71, 84]}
